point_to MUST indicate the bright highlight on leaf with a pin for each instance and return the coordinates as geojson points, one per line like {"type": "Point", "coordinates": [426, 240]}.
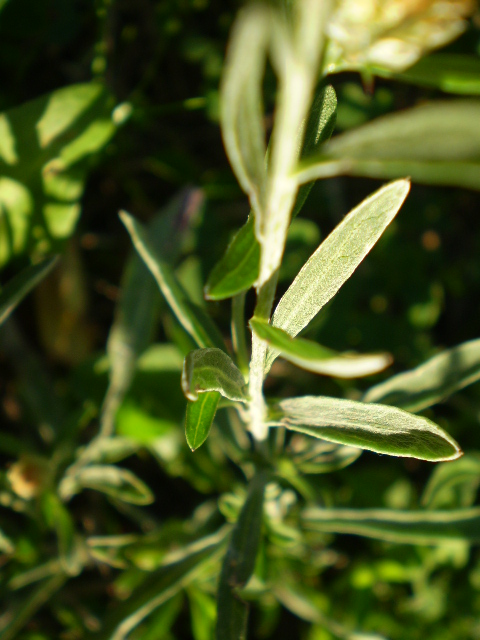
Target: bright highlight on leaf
{"type": "Point", "coordinates": [199, 418]}
{"type": "Point", "coordinates": [314, 357]}
{"type": "Point", "coordinates": [212, 370]}
{"type": "Point", "coordinates": [336, 259]}
{"type": "Point", "coordinates": [374, 427]}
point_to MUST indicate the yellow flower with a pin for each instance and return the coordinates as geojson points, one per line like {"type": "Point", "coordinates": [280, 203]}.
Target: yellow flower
{"type": "Point", "coordinates": [392, 34]}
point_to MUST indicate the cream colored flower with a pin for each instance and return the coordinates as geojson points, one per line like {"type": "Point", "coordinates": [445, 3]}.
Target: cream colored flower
{"type": "Point", "coordinates": [392, 34]}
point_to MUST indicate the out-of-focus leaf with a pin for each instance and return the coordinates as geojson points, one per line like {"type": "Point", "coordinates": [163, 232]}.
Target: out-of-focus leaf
{"type": "Point", "coordinates": [336, 259]}
{"type": "Point", "coordinates": [450, 72]}
{"type": "Point", "coordinates": [192, 318]}
{"type": "Point", "coordinates": [431, 382]}
{"type": "Point", "coordinates": [6, 545]}
{"type": "Point", "coordinates": [160, 586]}
{"type": "Point", "coordinates": [445, 477]}
{"type": "Point", "coordinates": [43, 151]}
{"type": "Point", "coordinates": [238, 268]}
{"type": "Point", "coordinates": [58, 518]}
{"type": "Point", "coordinates": [374, 427]}
{"type": "Point", "coordinates": [239, 562]}
{"type": "Point", "coordinates": [212, 370]}
{"type": "Point", "coordinates": [19, 286]}
{"type": "Point", "coordinates": [119, 483]}
{"type": "Point", "coordinates": [403, 527]}
{"type": "Point", "coordinates": [436, 143]}
{"type": "Point", "coordinates": [203, 613]}
{"type": "Point", "coordinates": [136, 311]}
{"type": "Point", "coordinates": [320, 457]}
{"type": "Point", "coordinates": [314, 357]}
{"type": "Point", "coordinates": [113, 449]}
{"type": "Point", "coordinates": [199, 418]}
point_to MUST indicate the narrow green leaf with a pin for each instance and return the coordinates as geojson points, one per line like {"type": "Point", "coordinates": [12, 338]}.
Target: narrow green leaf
{"type": "Point", "coordinates": [160, 586]}
{"type": "Point", "coordinates": [239, 267]}
{"type": "Point", "coordinates": [239, 563]}
{"type": "Point", "coordinates": [463, 473]}
{"type": "Point", "coordinates": [336, 259]}
{"type": "Point", "coordinates": [431, 382]}
{"type": "Point", "coordinates": [212, 370]}
{"type": "Point", "coordinates": [193, 319]}
{"type": "Point", "coordinates": [451, 72]}
{"type": "Point", "coordinates": [320, 457]}
{"type": "Point", "coordinates": [58, 518]}
{"type": "Point", "coordinates": [199, 418]}
{"type": "Point", "coordinates": [403, 527]}
{"type": "Point", "coordinates": [375, 427]}
{"type": "Point", "coordinates": [21, 284]}
{"type": "Point", "coordinates": [437, 143]}
{"type": "Point", "coordinates": [119, 483]}
{"type": "Point", "coordinates": [313, 357]}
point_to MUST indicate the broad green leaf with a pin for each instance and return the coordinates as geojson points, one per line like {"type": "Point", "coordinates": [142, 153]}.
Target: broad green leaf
{"type": "Point", "coordinates": [119, 483]}
{"type": "Point", "coordinates": [336, 259]}
{"type": "Point", "coordinates": [403, 527]}
{"type": "Point", "coordinates": [136, 311]}
{"type": "Point", "coordinates": [436, 143]}
{"type": "Point", "coordinates": [241, 104]}
{"type": "Point", "coordinates": [375, 427]}
{"type": "Point", "coordinates": [320, 457]}
{"type": "Point", "coordinates": [199, 418]}
{"type": "Point", "coordinates": [45, 148]}
{"type": "Point", "coordinates": [192, 318]}
{"type": "Point", "coordinates": [431, 382]}
{"type": "Point", "coordinates": [451, 72]}
{"type": "Point", "coordinates": [21, 284]}
{"type": "Point", "coordinates": [239, 562]}
{"type": "Point", "coordinates": [313, 357]}
{"type": "Point", "coordinates": [460, 474]}
{"type": "Point", "coordinates": [161, 585]}
{"type": "Point", "coordinates": [212, 370]}
{"type": "Point", "coordinates": [239, 267]}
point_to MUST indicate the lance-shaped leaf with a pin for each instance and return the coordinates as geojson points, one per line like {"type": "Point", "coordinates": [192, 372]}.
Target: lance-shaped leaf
{"type": "Point", "coordinates": [450, 72]}
{"type": "Point", "coordinates": [336, 259]}
{"type": "Point", "coordinates": [319, 456]}
{"type": "Point", "coordinates": [21, 284]}
{"type": "Point", "coordinates": [116, 482]}
{"type": "Point", "coordinates": [432, 381]}
{"type": "Point", "coordinates": [192, 318]}
{"type": "Point", "coordinates": [199, 418]}
{"type": "Point", "coordinates": [375, 427]}
{"type": "Point", "coordinates": [407, 527]}
{"type": "Point", "coordinates": [446, 479]}
{"type": "Point", "coordinates": [212, 370]}
{"type": "Point", "coordinates": [239, 562]}
{"type": "Point", "coordinates": [314, 357]}
{"type": "Point", "coordinates": [238, 269]}
{"type": "Point", "coordinates": [436, 143]}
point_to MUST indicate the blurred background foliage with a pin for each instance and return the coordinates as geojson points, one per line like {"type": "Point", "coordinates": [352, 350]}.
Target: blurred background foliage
{"type": "Point", "coordinates": [132, 123]}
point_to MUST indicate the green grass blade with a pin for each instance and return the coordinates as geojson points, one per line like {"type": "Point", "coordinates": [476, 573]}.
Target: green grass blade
{"type": "Point", "coordinates": [403, 527]}
{"type": "Point", "coordinates": [337, 258]}
{"type": "Point", "coordinates": [212, 370]}
{"type": "Point", "coordinates": [21, 284]}
{"type": "Point", "coordinates": [193, 319]}
{"type": "Point", "coordinates": [314, 357]}
{"type": "Point", "coordinates": [199, 418]}
{"type": "Point", "coordinates": [431, 382]}
{"type": "Point", "coordinates": [374, 427]}
{"type": "Point", "coordinates": [239, 563]}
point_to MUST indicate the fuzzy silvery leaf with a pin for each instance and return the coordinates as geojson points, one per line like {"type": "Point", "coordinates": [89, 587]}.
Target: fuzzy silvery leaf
{"type": "Point", "coordinates": [374, 427]}
{"type": "Point", "coordinates": [212, 370]}
{"type": "Point", "coordinates": [336, 259]}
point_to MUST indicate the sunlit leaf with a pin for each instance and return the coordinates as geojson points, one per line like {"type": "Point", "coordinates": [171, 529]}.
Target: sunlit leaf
{"type": "Point", "coordinates": [193, 319]}
{"type": "Point", "coordinates": [239, 562]}
{"type": "Point", "coordinates": [199, 418]}
{"type": "Point", "coordinates": [431, 382]}
{"type": "Point", "coordinates": [314, 357]}
{"type": "Point", "coordinates": [212, 370]}
{"type": "Point", "coordinates": [434, 143]}
{"type": "Point", "coordinates": [336, 259]}
{"type": "Point", "coordinates": [374, 427]}
{"type": "Point", "coordinates": [403, 527]}
{"type": "Point", "coordinates": [18, 287]}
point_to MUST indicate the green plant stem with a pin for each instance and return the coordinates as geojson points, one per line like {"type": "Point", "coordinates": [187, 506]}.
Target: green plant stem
{"type": "Point", "coordinates": [238, 332]}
